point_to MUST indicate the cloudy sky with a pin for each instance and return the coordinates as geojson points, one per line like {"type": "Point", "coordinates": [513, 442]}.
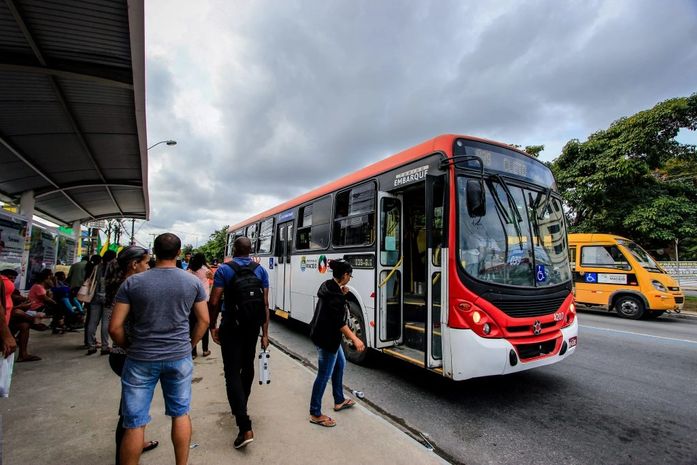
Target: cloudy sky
{"type": "Point", "coordinates": [268, 99]}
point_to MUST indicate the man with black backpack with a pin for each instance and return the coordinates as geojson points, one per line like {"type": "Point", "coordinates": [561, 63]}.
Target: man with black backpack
{"type": "Point", "coordinates": [245, 287]}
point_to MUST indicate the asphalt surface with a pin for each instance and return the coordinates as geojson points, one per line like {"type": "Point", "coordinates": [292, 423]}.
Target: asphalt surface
{"type": "Point", "coordinates": [627, 396]}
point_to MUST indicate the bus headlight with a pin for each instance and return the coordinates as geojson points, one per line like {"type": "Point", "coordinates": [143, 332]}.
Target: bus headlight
{"type": "Point", "coordinates": [659, 286]}
{"type": "Point", "coordinates": [570, 316]}
{"type": "Point", "coordinates": [478, 320]}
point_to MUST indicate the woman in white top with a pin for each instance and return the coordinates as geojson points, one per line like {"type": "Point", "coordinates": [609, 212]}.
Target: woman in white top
{"type": "Point", "coordinates": [199, 268]}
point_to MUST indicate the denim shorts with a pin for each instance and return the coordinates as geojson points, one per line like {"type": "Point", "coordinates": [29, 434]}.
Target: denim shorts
{"type": "Point", "coordinates": [138, 382]}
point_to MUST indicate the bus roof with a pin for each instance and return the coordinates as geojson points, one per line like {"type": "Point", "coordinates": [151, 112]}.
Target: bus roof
{"type": "Point", "coordinates": [439, 143]}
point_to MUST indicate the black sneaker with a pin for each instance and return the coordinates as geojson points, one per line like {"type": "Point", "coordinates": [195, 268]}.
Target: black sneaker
{"type": "Point", "coordinates": [243, 439]}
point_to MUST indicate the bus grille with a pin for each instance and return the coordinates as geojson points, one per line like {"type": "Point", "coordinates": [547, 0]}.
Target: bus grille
{"type": "Point", "coordinates": [528, 307]}
{"type": "Point", "coordinates": [528, 351]}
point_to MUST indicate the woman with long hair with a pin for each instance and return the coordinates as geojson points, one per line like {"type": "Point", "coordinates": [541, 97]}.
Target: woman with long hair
{"type": "Point", "coordinates": [131, 260]}
{"type": "Point", "coordinates": [327, 327]}
{"type": "Point", "coordinates": [199, 268]}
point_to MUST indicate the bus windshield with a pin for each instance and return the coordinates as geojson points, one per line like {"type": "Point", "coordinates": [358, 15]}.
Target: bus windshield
{"type": "Point", "coordinates": [520, 240]}
{"type": "Point", "coordinates": [641, 256]}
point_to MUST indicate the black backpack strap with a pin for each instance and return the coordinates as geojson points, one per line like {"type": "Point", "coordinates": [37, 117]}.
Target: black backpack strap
{"type": "Point", "coordinates": [236, 267]}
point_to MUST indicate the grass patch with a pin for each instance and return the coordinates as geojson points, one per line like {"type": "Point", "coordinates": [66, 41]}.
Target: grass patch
{"type": "Point", "coordinates": [691, 303]}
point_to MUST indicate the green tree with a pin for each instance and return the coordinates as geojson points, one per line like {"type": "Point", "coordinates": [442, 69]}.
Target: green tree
{"type": "Point", "coordinates": [215, 247]}
{"type": "Point", "coordinates": [633, 178]}
{"type": "Point", "coordinates": [533, 150]}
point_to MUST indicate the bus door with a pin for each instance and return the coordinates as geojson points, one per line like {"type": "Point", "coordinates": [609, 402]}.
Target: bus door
{"type": "Point", "coordinates": [284, 243]}
{"type": "Point", "coordinates": [389, 272]}
{"type": "Point", "coordinates": [435, 225]}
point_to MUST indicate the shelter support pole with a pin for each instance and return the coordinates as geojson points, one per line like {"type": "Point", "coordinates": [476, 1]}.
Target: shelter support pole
{"type": "Point", "coordinates": [26, 209]}
{"type": "Point", "coordinates": [78, 242]}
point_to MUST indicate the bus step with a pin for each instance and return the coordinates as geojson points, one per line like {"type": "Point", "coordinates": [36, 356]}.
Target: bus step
{"type": "Point", "coordinates": [282, 313]}
{"type": "Point", "coordinates": [407, 354]}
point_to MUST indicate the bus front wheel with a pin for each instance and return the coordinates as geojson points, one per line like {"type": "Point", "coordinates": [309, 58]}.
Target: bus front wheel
{"type": "Point", "coordinates": [628, 306]}
{"type": "Point", "coordinates": [357, 325]}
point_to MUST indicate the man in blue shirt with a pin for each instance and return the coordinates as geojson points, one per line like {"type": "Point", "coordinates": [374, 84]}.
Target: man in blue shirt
{"type": "Point", "coordinates": [238, 341]}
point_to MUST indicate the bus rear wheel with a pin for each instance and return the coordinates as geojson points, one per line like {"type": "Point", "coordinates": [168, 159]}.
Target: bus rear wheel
{"type": "Point", "coordinates": [357, 325]}
{"type": "Point", "coordinates": [628, 306]}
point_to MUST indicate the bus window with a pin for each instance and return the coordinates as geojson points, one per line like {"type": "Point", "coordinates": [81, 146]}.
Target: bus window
{"type": "Point", "coordinates": [252, 235]}
{"type": "Point", "coordinates": [605, 256]}
{"type": "Point", "coordinates": [265, 236]}
{"type": "Point", "coordinates": [354, 216]}
{"type": "Point", "coordinates": [313, 227]}
{"type": "Point", "coordinates": [438, 221]}
{"type": "Point", "coordinates": [228, 248]}
{"type": "Point", "coordinates": [391, 233]}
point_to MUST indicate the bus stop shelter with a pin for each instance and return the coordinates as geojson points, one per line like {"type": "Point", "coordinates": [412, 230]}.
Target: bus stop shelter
{"type": "Point", "coordinates": [72, 121]}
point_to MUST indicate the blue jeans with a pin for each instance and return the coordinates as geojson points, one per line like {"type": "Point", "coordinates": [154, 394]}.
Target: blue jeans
{"type": "Point", "coordinates": [330, 365]}
{"type": "Point", "coordinates": [138, 381]}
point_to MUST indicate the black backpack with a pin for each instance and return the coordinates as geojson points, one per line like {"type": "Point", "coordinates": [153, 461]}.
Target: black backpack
{"type": "Point", "coordinates": [244, 296]}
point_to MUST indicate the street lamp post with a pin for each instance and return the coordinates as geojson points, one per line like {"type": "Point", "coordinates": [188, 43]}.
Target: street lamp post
{"type": "Point", "coordinates": [168, 142]}
{"type": "Point", "coordinates": [133, 221]}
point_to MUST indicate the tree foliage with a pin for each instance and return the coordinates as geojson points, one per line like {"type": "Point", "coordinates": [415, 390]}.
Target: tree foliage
{"type": "Point", "coordinates": [215, 247]}
{"type": "Point", "coordinates": [533, 150]}
{"type": "Point", "coordinates": [634, 179]}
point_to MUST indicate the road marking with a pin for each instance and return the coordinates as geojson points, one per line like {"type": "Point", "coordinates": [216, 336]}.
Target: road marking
{"type": "Point", "coordinates": [638, 334]}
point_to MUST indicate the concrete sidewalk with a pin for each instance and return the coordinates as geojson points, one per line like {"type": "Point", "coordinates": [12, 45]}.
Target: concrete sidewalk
{"type": "Point", "coordinates": [63, 410]}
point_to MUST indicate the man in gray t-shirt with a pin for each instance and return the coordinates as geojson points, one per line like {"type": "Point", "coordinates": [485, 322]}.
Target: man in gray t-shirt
{"type": "Point", "coordinates": [157, 304]}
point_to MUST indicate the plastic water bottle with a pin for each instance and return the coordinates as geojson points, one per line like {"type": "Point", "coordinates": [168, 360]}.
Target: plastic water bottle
{"type": "Point", "coordinates": [358, 394]}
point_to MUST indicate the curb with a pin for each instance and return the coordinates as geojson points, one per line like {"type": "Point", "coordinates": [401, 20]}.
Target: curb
{"type": "Point", "coordinates": [376, 410]}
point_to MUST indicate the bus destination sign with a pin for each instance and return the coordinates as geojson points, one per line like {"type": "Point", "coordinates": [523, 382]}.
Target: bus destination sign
{"type": "Point", "coordinates": [504, 161]}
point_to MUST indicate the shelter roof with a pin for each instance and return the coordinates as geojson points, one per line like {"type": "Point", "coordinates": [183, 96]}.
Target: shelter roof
{"type": "Point", "coordinates": [72, 100]}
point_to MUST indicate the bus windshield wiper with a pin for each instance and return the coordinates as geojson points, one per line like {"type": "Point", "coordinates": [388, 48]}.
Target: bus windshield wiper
{"type": "Point", "coordinates": [499, 204]}
{"type": "Point", "coordinates": [543, 206]}
{"type": "Point", "coordinates": [517, 219]}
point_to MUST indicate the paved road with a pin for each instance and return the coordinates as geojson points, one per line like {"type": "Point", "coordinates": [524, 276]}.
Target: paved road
{"type": "Point", "coordinates": [628, 396]}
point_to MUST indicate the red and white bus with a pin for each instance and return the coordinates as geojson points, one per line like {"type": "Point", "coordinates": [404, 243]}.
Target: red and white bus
{"type": "Point", "coordinates": [459, 251]}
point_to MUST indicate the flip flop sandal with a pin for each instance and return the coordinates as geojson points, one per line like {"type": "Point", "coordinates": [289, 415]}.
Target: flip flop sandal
{"type": "Point", "coordinates": [151, 445]}
{"type": "Point", "coordinates": [31, 358]}
{"type": "Point", "coordinates": [348, 403]}
{"type": "Point", "coordinates": [326, 422]}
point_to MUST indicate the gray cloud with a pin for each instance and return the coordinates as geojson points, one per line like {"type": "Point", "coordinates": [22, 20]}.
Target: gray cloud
{"type": "Point", "coordinates": [269, 99]}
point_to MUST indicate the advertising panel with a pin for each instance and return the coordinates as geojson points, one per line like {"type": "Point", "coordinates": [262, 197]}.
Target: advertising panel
{"type": "Point", "coordinates": [12, 233]}
{"type": "Point", "coordinates": [42, 253]}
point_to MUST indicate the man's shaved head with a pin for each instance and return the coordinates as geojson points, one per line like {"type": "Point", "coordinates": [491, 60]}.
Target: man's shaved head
{"type": "Point", "coordinates": [241, 247]}
{"type": "Point", "coordinates": [167, 246]}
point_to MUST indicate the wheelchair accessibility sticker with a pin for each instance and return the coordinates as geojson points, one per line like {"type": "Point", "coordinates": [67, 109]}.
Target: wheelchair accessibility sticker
{"type": "Point", "coordinates": [590, 277]}
{"type": "Point", "coordinates": [540, 275]}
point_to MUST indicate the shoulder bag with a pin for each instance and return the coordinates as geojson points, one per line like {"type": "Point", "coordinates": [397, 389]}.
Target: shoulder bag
{"type": "Point", "coordinates": [86, 292]}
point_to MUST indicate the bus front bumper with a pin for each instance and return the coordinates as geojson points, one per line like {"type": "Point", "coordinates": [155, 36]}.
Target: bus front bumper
{"type": "Point", "coordinates": [473, 356]}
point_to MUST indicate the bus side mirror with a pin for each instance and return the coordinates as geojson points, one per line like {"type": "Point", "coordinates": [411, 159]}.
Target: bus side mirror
{"type": "Point", "coordinates": [476, 198]}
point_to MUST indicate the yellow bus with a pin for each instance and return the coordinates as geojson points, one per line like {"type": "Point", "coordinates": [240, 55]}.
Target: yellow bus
{"type": "Point", "coordinates": [617, 274]}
